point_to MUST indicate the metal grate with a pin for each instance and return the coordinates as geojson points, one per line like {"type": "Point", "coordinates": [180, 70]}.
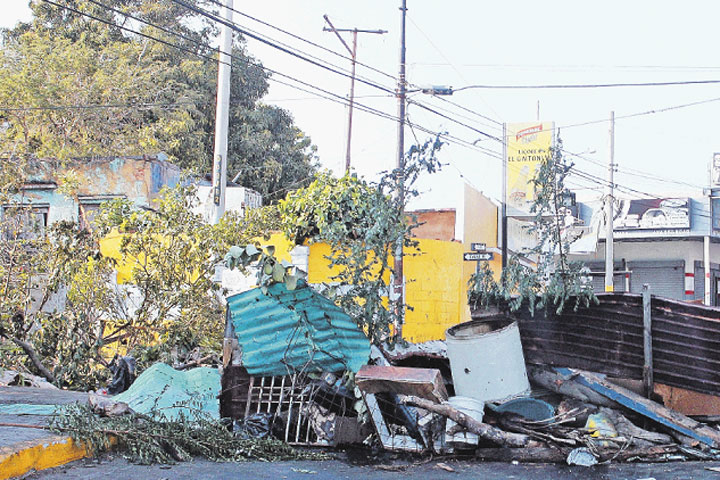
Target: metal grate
{"type": "Point", "coordinates": [286, 398]}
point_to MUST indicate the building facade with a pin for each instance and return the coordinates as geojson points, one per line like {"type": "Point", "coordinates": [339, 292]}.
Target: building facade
{"type": "Point", "coordinates": [670, 244]}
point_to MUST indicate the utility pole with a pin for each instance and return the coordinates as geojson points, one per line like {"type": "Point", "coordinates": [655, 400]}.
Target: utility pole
{"type": "Point", "coordinates": [609, 204]}
{"type": "Point", "coordinates": [399, 279]}
{"type": "Point", "coordinates": [353, 56]}
{"type": "Point", "coordinates": [222, 110]}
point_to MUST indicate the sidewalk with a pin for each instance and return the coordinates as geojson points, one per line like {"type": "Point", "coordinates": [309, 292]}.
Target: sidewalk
{"type": "Point", "coordinates": [25, 449]}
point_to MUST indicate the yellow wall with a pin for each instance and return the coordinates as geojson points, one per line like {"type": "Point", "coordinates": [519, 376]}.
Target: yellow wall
{"type": "Point", "coordinates": [436, 277]}
{"type": "Point", "coordinates": [435, 289]}
{"type": "Point", "coordinates": [479, 225]}
{"type": "Point", "coordinates": [110, 247]}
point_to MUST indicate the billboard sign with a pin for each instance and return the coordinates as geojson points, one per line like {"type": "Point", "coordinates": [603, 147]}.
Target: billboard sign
{"type": "Point", "coordinates": [715, 170]}
{"type": "Point", "coordinates": [528, 144]}
{"type": "Point", "coordinates": [656, 216]}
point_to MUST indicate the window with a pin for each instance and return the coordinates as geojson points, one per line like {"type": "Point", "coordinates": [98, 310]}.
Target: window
{"type": "Point", "coordinates": [24, 222]}
{"type": "Point", "coordinates": [89, 206]}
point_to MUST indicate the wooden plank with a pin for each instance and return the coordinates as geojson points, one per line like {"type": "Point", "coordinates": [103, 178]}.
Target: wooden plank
{"type": "Point", "coordinates": [639, 404]}
{"type": "Point", "coordinates": [647, 343]}
{"type": "Point", "coordinates": [389, 440]}
{"type": "Point", "coordinates": [421, 382]}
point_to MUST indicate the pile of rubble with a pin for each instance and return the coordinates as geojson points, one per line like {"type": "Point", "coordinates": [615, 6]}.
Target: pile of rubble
{"type": "Point", "coordinates": [472, 394]}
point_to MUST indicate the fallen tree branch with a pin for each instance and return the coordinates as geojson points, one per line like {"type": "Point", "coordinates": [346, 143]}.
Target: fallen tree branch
{"type": "Point", "coordinates": [24, 425]}
{"type": "Point", "coordinates": [30, 352]}
{"type": "Point", "coordinates": [195, 363]}
{"type": "Point", "coordinates": [482, 430]}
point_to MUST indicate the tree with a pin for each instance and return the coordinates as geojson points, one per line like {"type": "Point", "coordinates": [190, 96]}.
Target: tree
{"type": "Point", "coordinates": [555, 280]}
{"type": "Point", "coordinates": [362, 222]}
{"type": "Point", "coordinates": [74, 86]}
{"type": "Point", "coordinates": [168, 310]}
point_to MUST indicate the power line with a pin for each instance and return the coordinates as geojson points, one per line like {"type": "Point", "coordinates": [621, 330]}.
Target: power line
{"type": "Point", "coordinates": [329, 95]}
{"type": "Point", "coordinates": [245, 60]}
{"type": "Point", "coordinates": [436, 112]}
{"type": "Point", "coordinates": [272, 44]}
{"type": "Point", "coordinates": [99, 106]}
{"type": "Point", "coordinates": [462, 77]}
{"type": "Point", "coordinates": [496, 125]}
{"type": "Point", "coordinates": [303, 56]}
{"type": "Point", "coordinates": [305, 40]}
{"type": "Point", "coordinates": [469, 110]}
{"type": "Point", "coordinates": [587, 85]}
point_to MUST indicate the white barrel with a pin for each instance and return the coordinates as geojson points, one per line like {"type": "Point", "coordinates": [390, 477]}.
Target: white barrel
{"type": "Point", "coordinates": [470, 407]}
{"type": "Point", "coordinates": [486, 359]}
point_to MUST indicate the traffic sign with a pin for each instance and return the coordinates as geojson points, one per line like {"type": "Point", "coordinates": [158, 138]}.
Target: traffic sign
{"type": "Point", "coordinates": [478, 247]}
{"type": "Point", "coordinates": [478, 256]}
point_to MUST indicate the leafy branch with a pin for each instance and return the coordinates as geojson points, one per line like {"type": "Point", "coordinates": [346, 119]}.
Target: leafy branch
{"type": "Point", "coordinates": [554, 280]}
{"type": "Point", "coordinates": [151, 439]}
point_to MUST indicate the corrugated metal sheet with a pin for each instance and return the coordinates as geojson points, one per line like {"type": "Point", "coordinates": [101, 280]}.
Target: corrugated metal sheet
{"type": "Point", "coordinates": [608, 338]}
{"type": "Point", "coordinates": [288, 331]}
{"type": "Point", "coordinates": [666, 279]}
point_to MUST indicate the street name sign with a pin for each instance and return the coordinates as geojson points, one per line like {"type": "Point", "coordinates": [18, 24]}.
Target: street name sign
{"type": "Point", "coordinates": [478, 247]}
{"type": "Point", "coordinates": [478, 256]}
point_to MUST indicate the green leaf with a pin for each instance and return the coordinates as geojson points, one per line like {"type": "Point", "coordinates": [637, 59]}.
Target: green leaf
{"type": "Point", "coordinates": [268, 268]}
{"type": "Point", "coordinates": [291, 282]}
{"type": "Point", "coordinates": [270, 250]}
{"type": "Point", "coordinates": [251, 250]}
{"type": "Point", "coordinates": [278, 273]}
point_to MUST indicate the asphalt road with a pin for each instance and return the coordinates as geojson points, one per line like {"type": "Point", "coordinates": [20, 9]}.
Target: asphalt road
{"type": "Point", "coordinates": [119, 469]}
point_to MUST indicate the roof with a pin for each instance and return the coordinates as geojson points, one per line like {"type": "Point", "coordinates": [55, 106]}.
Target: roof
{"type": "Point", "coordinates": [289, 331]}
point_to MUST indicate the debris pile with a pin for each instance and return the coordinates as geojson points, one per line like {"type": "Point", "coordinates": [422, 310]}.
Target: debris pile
{"type": "Point", "coordinates": [298, 370]}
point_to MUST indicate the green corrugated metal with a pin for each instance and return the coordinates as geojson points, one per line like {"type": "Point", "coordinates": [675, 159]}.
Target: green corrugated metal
{"type": "Point", "coordinates": [287, 331]}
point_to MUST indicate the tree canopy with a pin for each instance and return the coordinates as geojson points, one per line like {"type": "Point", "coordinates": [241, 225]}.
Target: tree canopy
{"type": "Point", "coordinates": [76, 86]}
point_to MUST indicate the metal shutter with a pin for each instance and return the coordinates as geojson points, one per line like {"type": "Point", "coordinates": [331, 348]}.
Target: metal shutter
{"type": "Point", "coordinates": [666, 279]}
{"type": "Point", "coordinates": [598, 282]}
{"type": "Point", "coordinates": [699, 281]}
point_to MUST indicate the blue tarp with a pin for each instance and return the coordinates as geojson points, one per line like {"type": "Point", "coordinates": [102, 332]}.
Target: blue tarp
{"type": "Point", "coordinates": [163, 390]}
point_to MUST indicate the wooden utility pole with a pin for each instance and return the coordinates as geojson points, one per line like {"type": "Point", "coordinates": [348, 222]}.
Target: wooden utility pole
{"type": "Point", "coordinates": [353, 55]}
{"type": "Point", "coordinates": [609, 204]}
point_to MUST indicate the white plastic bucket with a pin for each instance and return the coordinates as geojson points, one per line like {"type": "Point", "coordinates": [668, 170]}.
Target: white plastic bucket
{"type": "Point", "coordinates": [486, 359]}
{"type": "Point", "coordinates": [470, 407]}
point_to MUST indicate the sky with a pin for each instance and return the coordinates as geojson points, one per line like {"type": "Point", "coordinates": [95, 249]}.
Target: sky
{"type": "Point", "coordinates": [519, 42]}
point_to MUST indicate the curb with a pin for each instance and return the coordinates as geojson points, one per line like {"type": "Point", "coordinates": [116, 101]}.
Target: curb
{"type": "Point", "coordinates": [40, 454]}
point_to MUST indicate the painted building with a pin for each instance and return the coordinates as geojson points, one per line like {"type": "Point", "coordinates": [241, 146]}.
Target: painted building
{"type": "Point", "coordinates": [139, 179]}
{"type": "Point", "coordinates": [436, 276]}
{"type": "Point", "coordinates": [663, 242]}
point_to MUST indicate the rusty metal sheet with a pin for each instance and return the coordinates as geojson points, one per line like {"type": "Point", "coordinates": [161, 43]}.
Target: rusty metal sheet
{"type": "Point", "coordinates": [607, 338]}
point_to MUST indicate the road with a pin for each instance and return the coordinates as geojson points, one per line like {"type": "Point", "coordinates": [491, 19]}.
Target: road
{"type": "Point", "coordinates": [119, 469]}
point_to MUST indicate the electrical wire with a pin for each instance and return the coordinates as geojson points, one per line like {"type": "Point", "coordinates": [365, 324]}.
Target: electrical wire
{"type": "Point", "coordinates": [98, 106]}
{"type": "Point", "coordinates": [429, 40]}
{"type": "Point", "coordinates": [304, 57]}
{"type": "Point", "coordinates": [305, 40]}
{"type": "Point", "coordinates": [290, 47]}
{"type": "Point", "coordinates": [274, 45]}
{"type": "Point", "coordinates": [340, 99]}
{"type": "Point", "coordinates": [440, 114]}
{"type": "Point", "coordinates": [587, 85]}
